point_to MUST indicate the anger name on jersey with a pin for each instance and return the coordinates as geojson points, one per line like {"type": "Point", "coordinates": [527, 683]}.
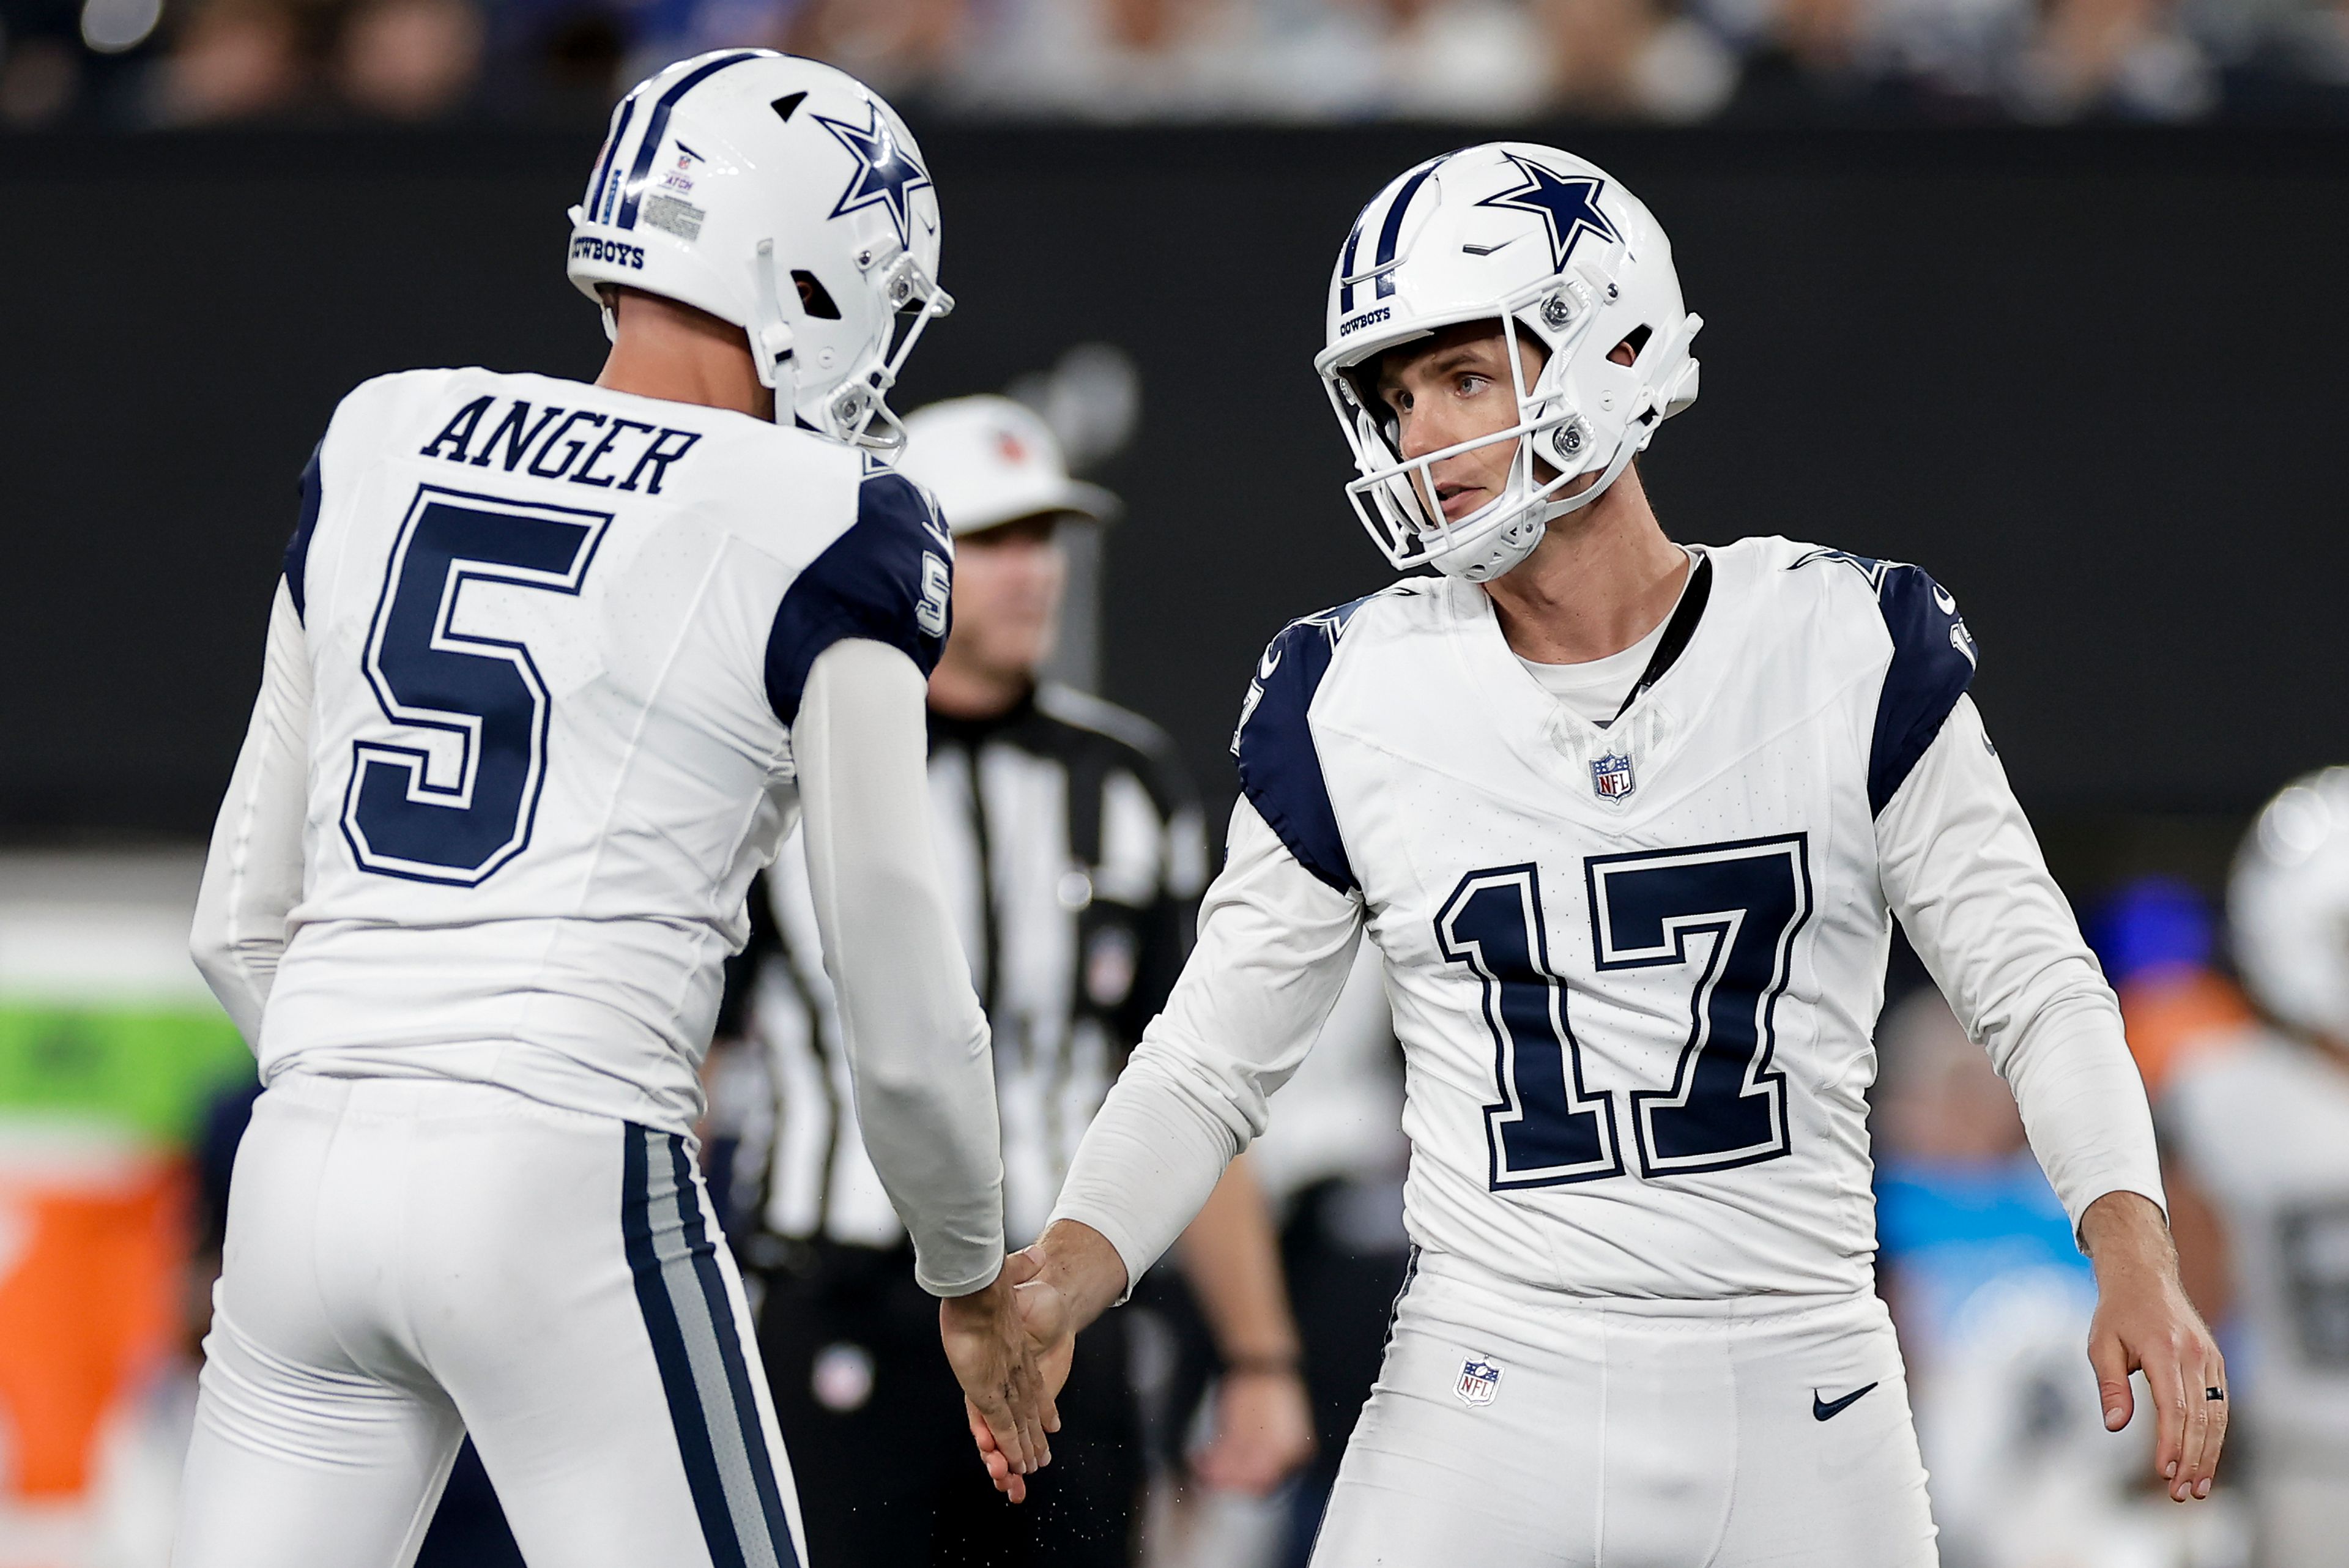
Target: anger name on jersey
{"type": "Point", "coordinates": [643, 619]}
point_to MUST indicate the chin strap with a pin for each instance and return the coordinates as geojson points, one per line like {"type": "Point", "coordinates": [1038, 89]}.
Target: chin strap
{"type": "Point", "coordinates": [772, 336]}
{"type": "Point", "coordinates": [1515, 540]}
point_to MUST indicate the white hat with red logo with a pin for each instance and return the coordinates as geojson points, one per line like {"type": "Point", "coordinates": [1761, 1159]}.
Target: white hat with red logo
{"type": "Point", "coordinates": [991, 460]}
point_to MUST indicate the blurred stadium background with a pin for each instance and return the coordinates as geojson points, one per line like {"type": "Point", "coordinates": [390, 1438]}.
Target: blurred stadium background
{"type": "Point", "coordinates": [2048, 295]}
{"type": "Point", "coordinates": [557, 62]}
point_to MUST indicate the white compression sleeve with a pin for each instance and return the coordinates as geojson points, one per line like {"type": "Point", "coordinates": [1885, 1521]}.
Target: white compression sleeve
{"type": "Point", "coordinates": [918, 1043]}
{"type": "Point", "coordinates": [252, 875]}
{"type": "Point", "coordinates": [1275, 947]}
{"type": "Point", "coordinates": [1963, 872]}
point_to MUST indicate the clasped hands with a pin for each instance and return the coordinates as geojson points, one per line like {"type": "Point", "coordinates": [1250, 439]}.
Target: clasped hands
{"type": "Point", "coordinates": [1011, 1345]}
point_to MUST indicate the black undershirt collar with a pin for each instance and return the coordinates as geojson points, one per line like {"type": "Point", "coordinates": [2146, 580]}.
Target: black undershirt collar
{"type": "Point", "coordinates": [1677, 632]}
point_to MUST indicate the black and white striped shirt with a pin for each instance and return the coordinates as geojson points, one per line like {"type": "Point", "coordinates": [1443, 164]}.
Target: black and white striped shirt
{"type": "Point", "coordinates": [1072, 853]}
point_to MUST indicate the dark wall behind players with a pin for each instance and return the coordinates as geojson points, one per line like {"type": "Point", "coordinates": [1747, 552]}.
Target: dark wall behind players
{"type": "Point", "coordinates": [2088, 377]}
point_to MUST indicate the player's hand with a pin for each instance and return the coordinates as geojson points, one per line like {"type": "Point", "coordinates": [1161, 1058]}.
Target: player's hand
{"type": "Point", "coordinates": [1046, 1323]}
{"type": "Point", "coordinates": [993, 1358]}
{"type": "Point", "coordinates": [2144, 1323]}
{"type": "Point", "coordinates": [1264, 1431]}
{"type": "Point", "coordinates": [1069, 1277]}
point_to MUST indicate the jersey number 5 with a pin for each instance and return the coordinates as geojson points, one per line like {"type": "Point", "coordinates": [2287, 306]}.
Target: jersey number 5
{"type": "Point", "coordinates": [454, 797]}
{"type": "Point", "coordinates": [1723, 916]}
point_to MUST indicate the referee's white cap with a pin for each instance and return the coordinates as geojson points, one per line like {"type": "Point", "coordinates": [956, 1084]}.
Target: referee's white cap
{"type": "Point", "coordinates": [990, 461]}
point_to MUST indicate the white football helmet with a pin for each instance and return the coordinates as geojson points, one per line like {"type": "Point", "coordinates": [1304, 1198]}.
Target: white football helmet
{"type": "Point", "coordinates": [785, 197]}
{"type": "Point", "coordinates": [1550, 246]}
{"type": "Point", "coordinates": [2288, 906]}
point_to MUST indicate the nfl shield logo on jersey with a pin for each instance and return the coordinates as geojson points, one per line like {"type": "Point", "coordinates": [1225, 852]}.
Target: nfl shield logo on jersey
{"type": "Point", "coordinates": [1610, 775]}
{"type": "Point", "coordinates": [1479, 1380]}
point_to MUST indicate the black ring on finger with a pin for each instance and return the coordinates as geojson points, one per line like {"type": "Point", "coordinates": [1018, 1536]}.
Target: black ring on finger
{"type": "Point", "coordinates": [2214, 1394]}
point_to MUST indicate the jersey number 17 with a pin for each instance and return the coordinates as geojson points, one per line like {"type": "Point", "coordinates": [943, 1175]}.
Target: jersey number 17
{"type": "Point", "coordinates": [1726, 914]}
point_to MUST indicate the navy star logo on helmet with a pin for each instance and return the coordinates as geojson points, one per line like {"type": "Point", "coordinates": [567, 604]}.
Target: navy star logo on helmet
{"type": "Point", "coordinates": [885, 174]}
{"type": "Point", "coordinates": [1568, 203]}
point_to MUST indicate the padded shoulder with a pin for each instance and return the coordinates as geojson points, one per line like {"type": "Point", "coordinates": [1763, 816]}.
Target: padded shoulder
{"type": "Point", "coordinates": [889, 577]}
{"type": "Point", "coordinates": [1281, 770]}
{"type": "Point", "coordinates": [1933, 660]}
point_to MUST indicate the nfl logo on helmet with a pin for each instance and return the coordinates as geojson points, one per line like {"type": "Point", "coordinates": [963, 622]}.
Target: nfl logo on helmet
{"type": "Point", "coordinates": [1479, 1380]}
{"type": "Point", "coordinates": [1610, 775]}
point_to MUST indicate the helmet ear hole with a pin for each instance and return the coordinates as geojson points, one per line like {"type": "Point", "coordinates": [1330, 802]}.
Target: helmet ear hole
{"type": "Point", "coordinates": [788, 145]}
{"type": "Point", "coordinates": [1634, 344]}
{"type": "Point", "coordinates": [814, 298]}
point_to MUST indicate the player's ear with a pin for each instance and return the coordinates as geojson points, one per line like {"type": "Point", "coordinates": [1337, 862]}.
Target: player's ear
{"type": "Point", "coordinates": [814, 298]}
{"type": "Point", "coordinates": [1628, 351]}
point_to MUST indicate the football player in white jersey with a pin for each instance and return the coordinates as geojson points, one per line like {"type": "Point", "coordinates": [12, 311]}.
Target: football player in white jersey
{"type": "Point", "coordinates": [1629, 823]}
{"type": "Point", "coordinates": [2259, 1127]}
{"type": "Point", "coordinates": [551, 670]}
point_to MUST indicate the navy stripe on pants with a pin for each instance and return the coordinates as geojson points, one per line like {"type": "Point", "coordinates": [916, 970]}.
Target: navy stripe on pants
{"type": "Point", "coordinates": [698, 1346]}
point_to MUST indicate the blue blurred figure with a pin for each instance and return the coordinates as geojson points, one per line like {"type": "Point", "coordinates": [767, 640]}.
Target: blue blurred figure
{"type": "Point", "coordinates": [2157, 938]}
{"type": "Point", "coordinates": [1992, 1299]}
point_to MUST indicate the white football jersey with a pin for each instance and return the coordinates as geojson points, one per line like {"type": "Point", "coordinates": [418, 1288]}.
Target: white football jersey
{"type": "Point", "coordinates": [2263, 1123]}
{"type": "Point", "coordinates": [558, 635]}
{"type": "Point", "coordinates": [1635, 968]}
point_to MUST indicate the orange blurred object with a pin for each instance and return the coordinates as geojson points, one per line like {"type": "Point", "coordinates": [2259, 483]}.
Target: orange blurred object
{"type": "Point", "coordinates": [91, 1242]}
{"type": "Point", "coordinates": [2173, 1012]}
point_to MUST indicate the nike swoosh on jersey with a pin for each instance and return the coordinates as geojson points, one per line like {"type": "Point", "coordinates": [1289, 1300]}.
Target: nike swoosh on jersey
{"type": "Point", "coordinates": [1824, 1410]}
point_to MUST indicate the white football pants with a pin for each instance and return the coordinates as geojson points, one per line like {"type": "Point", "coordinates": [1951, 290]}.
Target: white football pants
{"type": "Point", "coordinates": [411, 1260]}
{"type": "Point", "coordinates": [1515, 1428]}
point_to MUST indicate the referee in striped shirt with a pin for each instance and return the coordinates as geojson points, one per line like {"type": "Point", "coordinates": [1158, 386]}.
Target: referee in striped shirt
{"type": "Point", "coordinates": [1074, 854]}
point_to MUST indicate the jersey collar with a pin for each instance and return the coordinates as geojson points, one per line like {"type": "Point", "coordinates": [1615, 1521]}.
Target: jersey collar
{"type": "Point", "coordinates": [1561, 745]}
{"type": "Point", "coordinates": [1677, 631]}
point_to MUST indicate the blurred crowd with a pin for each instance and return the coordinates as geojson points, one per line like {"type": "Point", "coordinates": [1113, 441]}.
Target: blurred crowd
{"type": "Point", "coordinates": [142, 63]}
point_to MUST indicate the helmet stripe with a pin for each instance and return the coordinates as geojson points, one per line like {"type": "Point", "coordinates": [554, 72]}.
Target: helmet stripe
{"type": "Point", "coordinates": [1390, 231]}
{"type": "Point", "coordinates": [1346, 265]}
{"type": "Point", "coordinates": [657, 123]}
{"type": "Point", "coordinates": [598, 184]}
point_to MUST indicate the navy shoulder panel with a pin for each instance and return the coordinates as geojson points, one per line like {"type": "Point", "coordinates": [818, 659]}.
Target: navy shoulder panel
{"type": "Point", "coordinates": [1280, 771]}
{"type": "Point", "coordinates": [890, 577]}
{"type": "Point", "coordinates": [297, 548]}
{"type": "Point", "coordinates": [1933, 660]}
